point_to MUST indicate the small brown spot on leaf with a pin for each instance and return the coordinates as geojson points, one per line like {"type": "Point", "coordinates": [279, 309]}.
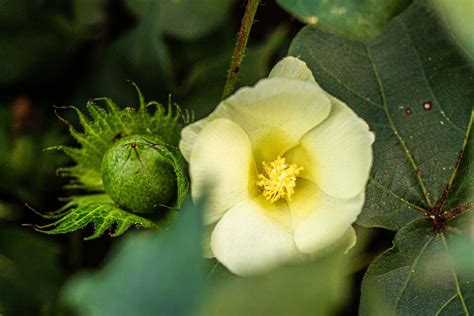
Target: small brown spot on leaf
{"type": "Point", "coordinates": [427, 106]}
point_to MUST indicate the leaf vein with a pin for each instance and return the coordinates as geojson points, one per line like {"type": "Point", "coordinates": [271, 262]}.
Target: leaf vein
{"type": "Point", "coordinates": [395, 131]}
{"type": "Point", "coordinates": [387, 190]}
{"type": "Point", "coordinates": [455, 277]}
{"type": "Point", "coordinates": [410, 273]}
{"type": "Point", "coordinates": [446, 304]}
{"type": "Point", "coordinates": [342, 83]}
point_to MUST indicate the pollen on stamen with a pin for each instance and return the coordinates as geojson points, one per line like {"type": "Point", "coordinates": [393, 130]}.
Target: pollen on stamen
{"type": "Point", "coordinates": [278, 179]}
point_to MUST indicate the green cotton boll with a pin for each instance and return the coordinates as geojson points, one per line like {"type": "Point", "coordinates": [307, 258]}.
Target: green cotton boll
{"type": "Point", "coordinates": [136, 175]}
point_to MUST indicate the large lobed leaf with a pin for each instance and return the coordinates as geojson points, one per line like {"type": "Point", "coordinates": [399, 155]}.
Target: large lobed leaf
{"type": "Point", "coordinates": [414, 87]}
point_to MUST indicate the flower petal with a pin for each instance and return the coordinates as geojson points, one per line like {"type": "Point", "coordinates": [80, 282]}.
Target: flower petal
{"type": "Point", "coordinates": [337, 154]}
{"type": "Point", "coordinates": [292, 68]}
{"type": "Point", "coordinates": [329, 218]}
{"type": "Point", "coordinates": [222, 168]}
{"type": "Point", "coordinates": [276, 113]}
{"type": "Point", "coordinates": [189, 135]}
{"type": "Point", "coordinates": [249, 239]}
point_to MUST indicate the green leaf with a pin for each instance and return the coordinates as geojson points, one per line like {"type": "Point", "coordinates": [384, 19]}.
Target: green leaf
{"type": "Point", "coordinates": [414, 88]}
{"type": "Point", "coordinates": [418, 274]}
{"type": "Point", "coordinates": [99, 210]}
{"type": "Point", "coordinates": [30, 275]}
{"type": "Point", "coordinates": [185, 19]}
{"type": "Point", "coordinates": [148, 274]}
{"type": "Point", "coordinates": [318, 288]}
{"type": "Point", "coordinates": [357, 19]}
{"type": "Point", "coordinates": [430, 266]}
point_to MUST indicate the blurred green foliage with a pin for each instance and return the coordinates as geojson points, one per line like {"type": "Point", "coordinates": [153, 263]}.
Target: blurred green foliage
{"type": "Point", "coordinates": [30, 274]}
{"type": "Point", "coordinates": [24, 167]}
{"type": "Point", "coordinates": [459, 19]}
{"type": "Point", "coordinates": [164, 274]}
{"type": "Point", "coordinates": [148, 274]}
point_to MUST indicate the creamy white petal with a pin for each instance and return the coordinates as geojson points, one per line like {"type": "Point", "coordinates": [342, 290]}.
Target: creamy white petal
{"type": "Point", "coordinates": [250, 239]}
{"type": "Point", "coordinates": [346, 243]}
{"type": "Point", "coordinates": [304, 204]}
{"type": "Point", "coordinates": [330, 219]}
{"type": "Point", "coordinates": [292, 68]}
{"type": "Point", "coordinates": [276, 113]}
{"type": "Point", "coordinates": [222, 168]}
{"type": "Point", "coordinates": [337, 154]}
{"type": "Point", "coordinates": [190, 133]}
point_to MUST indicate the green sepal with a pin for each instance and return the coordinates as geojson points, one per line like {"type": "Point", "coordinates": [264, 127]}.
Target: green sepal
{"type": "Point", "coordinates": [98, 209]}
{"type": "Point", "coordinates": [175, 159]}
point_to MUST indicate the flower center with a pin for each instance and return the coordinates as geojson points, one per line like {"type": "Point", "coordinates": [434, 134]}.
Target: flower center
{"type": "Point", "coordinates": [278, 179]}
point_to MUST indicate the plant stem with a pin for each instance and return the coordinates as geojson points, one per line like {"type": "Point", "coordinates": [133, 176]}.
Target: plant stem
{"type": "Point", "coordinates": [240, 46]}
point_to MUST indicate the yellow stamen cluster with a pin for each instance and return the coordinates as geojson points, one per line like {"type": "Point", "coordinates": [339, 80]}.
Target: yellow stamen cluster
{"type": "Point", "coordinates": [278, 179]}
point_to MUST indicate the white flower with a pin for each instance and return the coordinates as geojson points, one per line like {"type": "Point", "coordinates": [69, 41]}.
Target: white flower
{"type": "Point", "coordinates": [284, 166]}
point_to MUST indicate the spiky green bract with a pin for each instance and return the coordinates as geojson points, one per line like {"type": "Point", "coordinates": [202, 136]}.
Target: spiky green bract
{"type": "Point", "coordinates": [106, 125]}
{"type": "Point", "coordinates": [98, 209]}
{"type": "Point", "coordinates": [136, 175]}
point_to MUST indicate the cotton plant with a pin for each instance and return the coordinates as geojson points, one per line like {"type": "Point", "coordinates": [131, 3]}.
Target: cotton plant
{"type": "Point", "coordinates": [283, 167]}
{"type": "Point", "coordinates": [367, 129]}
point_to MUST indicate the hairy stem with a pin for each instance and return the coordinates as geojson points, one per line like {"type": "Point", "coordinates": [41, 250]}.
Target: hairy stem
{"type": "Point", "coordinates": [240, 46]}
